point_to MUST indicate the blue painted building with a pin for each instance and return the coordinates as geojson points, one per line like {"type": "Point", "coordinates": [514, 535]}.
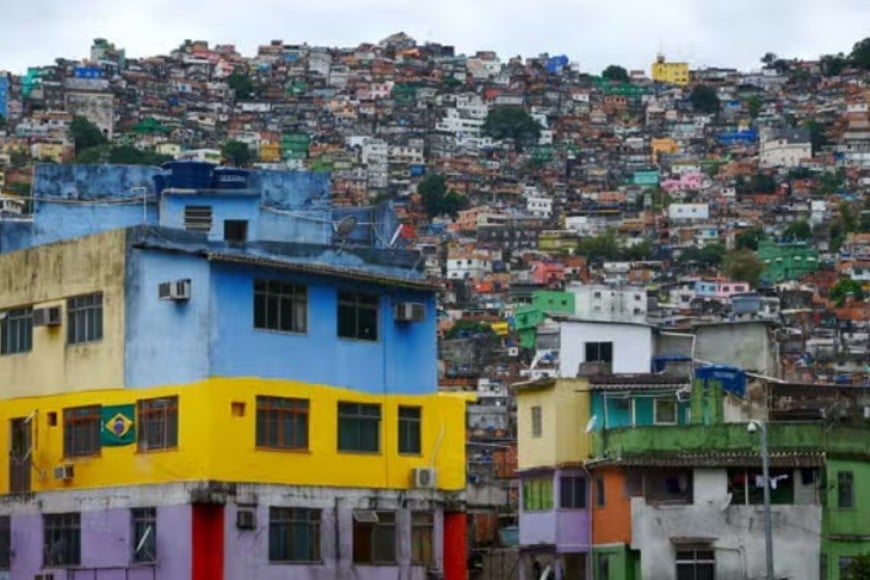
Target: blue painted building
{"type": "Point", "coordinates": [4, 95]}
{"type": "Point", "coordinates": [639, 400]}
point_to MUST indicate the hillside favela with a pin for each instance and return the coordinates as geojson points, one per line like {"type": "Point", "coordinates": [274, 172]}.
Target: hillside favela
{"type": "Point", "coordinates": [398, 311]}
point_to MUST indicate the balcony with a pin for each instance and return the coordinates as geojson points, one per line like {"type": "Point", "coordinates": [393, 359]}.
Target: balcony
{"type": "Point", "coordinates": [700, 441]}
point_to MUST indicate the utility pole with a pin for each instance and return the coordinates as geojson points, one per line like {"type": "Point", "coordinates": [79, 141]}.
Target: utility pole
{"type": "Point", "coordinates": [765, 474]}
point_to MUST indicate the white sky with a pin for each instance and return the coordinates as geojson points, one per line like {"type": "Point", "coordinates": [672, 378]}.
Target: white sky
{"type": "Point", "coordinates": [595, 33]}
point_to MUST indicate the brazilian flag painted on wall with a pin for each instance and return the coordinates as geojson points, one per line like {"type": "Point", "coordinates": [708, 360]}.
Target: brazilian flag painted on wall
{"type": "Point", "coordinates": [119, 425]}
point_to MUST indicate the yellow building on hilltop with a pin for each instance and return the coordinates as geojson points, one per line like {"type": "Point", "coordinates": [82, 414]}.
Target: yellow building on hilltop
{"type": "Point", "coordinates": [672, 73]}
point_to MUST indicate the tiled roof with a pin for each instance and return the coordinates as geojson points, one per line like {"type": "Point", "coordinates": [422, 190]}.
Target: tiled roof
{"type": "Point", "coordinates": [717, 459]}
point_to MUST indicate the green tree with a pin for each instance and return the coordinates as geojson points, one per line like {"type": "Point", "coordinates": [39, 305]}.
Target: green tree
{"type": "Point", "coordinates": [512, 123]}
{"type": "Point", "coordinates": [129, 155]}
{"type": "Point", "coordinates": [743, 266]}
{"type": "Point", "coordinates": [93, 155]}
{"type": "Point", "coordinates": [604, 246]}
{"type": "Point", "coordinates": [85, 134]}
{"type": "Point", "coordinates": [753, 105]}
{"type": "Point", "coordinates": [748, 239]}
{"type": "Point", "coordinates": [833, 64]}
{"type": "Point", "coordinates": [860, 55]}
{"type": "Point", "coordinates": [845, 287]}
{"type": "Point", "coordinates": [768, 59]}
{"type": "Point", "coordinates": [818, 135]}
{"type": "Point", "coordinates": [704, 99]}
{"type": "Point", "coordinates": [237, 153]}
{"type": "Point", "coordinates": [615, 73]}
{"type": "Point", "coordinates": [241, 84]}
{"type": "Point", "coordinates": [798, 230]}
{"type": "Point", "coordinates": [2, 122]}
{"type": "Point", "coordinates": [709, 255]}
{"type": "Point", "coordinates": [437, 200]}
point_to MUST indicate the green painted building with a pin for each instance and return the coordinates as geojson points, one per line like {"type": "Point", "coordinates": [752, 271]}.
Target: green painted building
{"type": "Point", "coordinates": [527, 318]}
{"type": "Point", "coordinates": [786, 260]}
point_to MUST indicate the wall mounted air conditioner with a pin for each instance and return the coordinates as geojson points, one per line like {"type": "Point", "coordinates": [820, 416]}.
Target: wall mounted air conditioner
{"type": "Point", "coordinates": [424, 477]}
{"type": "Point", "coordinates": [47, 316]}
{"type": "Point", "coordinates": [409, 312]}
{"type": "Point", "coordinates": [175, 290]}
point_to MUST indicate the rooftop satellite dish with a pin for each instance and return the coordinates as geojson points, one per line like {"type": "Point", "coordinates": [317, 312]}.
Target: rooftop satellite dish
{"type": "Point", "coordinates": [343, 228]}
{"type": "Point", "coordinates": [590, 424]}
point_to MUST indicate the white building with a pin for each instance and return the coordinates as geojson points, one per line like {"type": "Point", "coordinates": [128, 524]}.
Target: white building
{"type": "Point", "coordinates": [627, 347]}
{"type": "Point", "coordinates": [784, 148]}
{"type": "Point", "coordinates": [539, 206]}
{"type": "Point", "coordinates": [608, 303]}
{"type": "Point", "coordinates": [468, 267]}
{"type": "Point", "coordinates": [688, 211]}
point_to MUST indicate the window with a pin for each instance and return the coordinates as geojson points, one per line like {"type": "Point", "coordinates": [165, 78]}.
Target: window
{"type": "Point", "coordinates": [62, 540]}
{"type": "Point", "coordinates": [81, 431]}
{"type": "Point", "coordinates": [599, 491]}
{"type": "Point", "coordinates": [665, 411]}
{"type": "Point", "coordinates": [294, 534]}
{"type": "Point", "coordinates": [599, 352]}
{"type": "Point", "coordinates": [602, 563]}
{"type": "Point", "coordinates": [374, 539]}
{"type": "Point", "coordinates": [84, 318]}
{"type": "Point", "coordinates": [5, 543]}
{"type": "Point", "coordinates": [280, 306]}
{"type": "Point", "coordinates": [359, 427]}
{"type": "Point", "coordinates": [144, 535]}
{"type": "Point", "coordinates": [422, 538]}
{"type": "Point", "coordinates": [845, 489]}
{"type": "Point", "coordinates": [747, 486]}
{"type": "Point", "coordinates": [236, 230]}
{"type": "Point", "coordinates": [16, 331]}
{"type": "Point", "coordinates": [158, 423]}
{"type": "Point", "coordinates": [538, 494]}
{"type": "Point", "coordinates": [282, 423]}
{"type": "Point", "coordinates": [197, 218]}
{"type": "Point", "coordinates": [537, 421]}
{"type": "Point", "coordinates": [357, 316]}
{"type": "Point", "coordinates": [409, 429]}
{"type": "Point", "coordinates": [696, 564]}
{"type": "Point", "coordinates": [572, 492]}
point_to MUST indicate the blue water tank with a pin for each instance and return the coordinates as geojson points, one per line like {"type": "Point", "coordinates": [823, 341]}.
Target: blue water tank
{"type": "Point", "coordinates": [189, 174]}
{"type": "Point", "coordinates": [159, 183]}
{"type": "Point", "coordinates": [230, 178]}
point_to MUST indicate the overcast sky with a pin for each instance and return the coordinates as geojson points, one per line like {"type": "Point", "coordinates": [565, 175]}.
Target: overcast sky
{"type": "Point", "coordinates": [594, 33]}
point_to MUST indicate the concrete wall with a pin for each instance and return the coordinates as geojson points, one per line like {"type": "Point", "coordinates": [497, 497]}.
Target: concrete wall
{"type": "Point", "coordinates": [744, 345]}
{"type": "Point", "coordinates": [632, 346]}
{"type": "Point", "coordinates": [225, 206]}
{"type": "Point", "coordinates": [47, 276]}
{"type": "Point", "coordinates": [402, 360]}
{"type": "Point", "coordinates": [737, 536]}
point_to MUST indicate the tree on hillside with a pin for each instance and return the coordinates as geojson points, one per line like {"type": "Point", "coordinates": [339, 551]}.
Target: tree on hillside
{"type": "Point", "coordinates": [512, 123]}
{"type": "Point", "coordinates": [603, 247]}
{"type": "Point", "coordinates": [615, 73]}
{"type": "Point", "coordinates": [748, 239]}
{"type": "Point", "coordinates": [833, 64]}
{"type": "Point", "coordinates": [709, 255]}
{"type": "Point", "coordinates": [844, 288]}
{"type": "Point", "coordinates": [753, 105]}
{"type": "Point", "coordinates": [242, 84]}
{"type": "Point", "coordinates": [743, 266]}
{"type": "Point", "coordinates": [129, 155]}
{"type": "Point", "coordinates": [704, 99]}
{"type": "Point", "coordinates": [237, 153]}
{"type": "Point", "coordinates": [437, 200]}
{"type": "Point", "coordinates": [799, 230]}
{"type": "Point", "coordinates": [818, 136]}
{"type": "Point", "coordinates": [85, 134]}
{"type": "Point", "coordinates": [768, 59]}
{"type": "Point", "coordinates": [860, 55]}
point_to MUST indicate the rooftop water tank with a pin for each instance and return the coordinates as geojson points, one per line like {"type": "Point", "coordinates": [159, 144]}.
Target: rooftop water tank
{"type": "Point", "coordinates": [189, 174]}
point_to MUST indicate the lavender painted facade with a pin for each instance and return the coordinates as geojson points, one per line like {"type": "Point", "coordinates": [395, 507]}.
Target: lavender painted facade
{"type": "Point", "coordinates": [558, 529]}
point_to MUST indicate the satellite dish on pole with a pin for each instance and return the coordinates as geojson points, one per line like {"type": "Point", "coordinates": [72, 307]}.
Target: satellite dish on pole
{"type": "Point", "coordinates": [343, 228]}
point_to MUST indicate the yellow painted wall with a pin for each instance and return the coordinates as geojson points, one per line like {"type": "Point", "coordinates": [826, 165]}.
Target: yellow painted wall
{"type": "Point", "coordinates": [215, 445]}
{"type": "Point", "coordinates": [676, 73]}
{"type": "Point", "coordinates": [664, 145]}
{"type": "Point", "coordinates": [54, 273]}
{"type": "Point", "coordinates": [565, 413]}
{"type": "Point", "coordinates": [270, 152]}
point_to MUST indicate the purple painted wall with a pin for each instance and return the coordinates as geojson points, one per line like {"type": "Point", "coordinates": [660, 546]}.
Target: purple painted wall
{"type": "Point", "coordinates": [247, 551]}
{"type": "Point", "coordinates": [566, 529]}
{"type": "Point", "coordinates": [106, 537]}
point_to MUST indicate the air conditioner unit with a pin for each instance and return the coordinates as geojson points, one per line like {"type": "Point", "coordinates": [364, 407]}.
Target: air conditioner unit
{"type": "Point", "coordinates": [175, 290]}
{"type": "Point", "coordinates": [513, 351]}
{"type": "Point", "coordinates": [409, 312]}
{"type": "Point", "coordinates": [424, 477]}
{"type": "Point", "coordinates": [46, 316]}
{"type": "Point", "coordinates": [64, 472]}
{"type": "Point", "coordinates": [246, 519]}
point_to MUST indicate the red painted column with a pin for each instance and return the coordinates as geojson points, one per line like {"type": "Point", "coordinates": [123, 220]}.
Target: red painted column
{"type": "Point", "coordinates": [207, 560]}
{"type": "Point", "coordinates": [455, 546]}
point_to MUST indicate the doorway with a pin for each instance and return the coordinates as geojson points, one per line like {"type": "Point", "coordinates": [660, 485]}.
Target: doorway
{"type": "Point", "coordinates": [20, 448]}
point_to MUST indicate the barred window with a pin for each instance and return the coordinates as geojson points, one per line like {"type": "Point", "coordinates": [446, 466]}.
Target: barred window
{"type": "Point", "coordinates": [282, 423]}
{"type": "Point", "coordinates": [85, 318]}
{"type": "Point", "coordinates": [197, 218]}
{"type": "Point", "coordinates": [374, 540]}
{"type": "Point", "coordinates": [62, 540]}
{"type": "Point", "coordinates": [144, 535]}
{"type": "Point", "coordinates": [16, 331]}
{"type": "Point", "coordinates": [81, 431]}
{"type": "Point", "coordinates": [280, 306]}
{"type": "Point", "coordinates": [294, 534]}
{"type": "Point", "coordinates": [157, 424]}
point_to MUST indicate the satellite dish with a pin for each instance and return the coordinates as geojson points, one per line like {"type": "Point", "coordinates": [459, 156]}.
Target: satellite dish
{"type": "Point", "coordinates": [345, 226]}
{"type": "Point", "coordinates": [590, 424]}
